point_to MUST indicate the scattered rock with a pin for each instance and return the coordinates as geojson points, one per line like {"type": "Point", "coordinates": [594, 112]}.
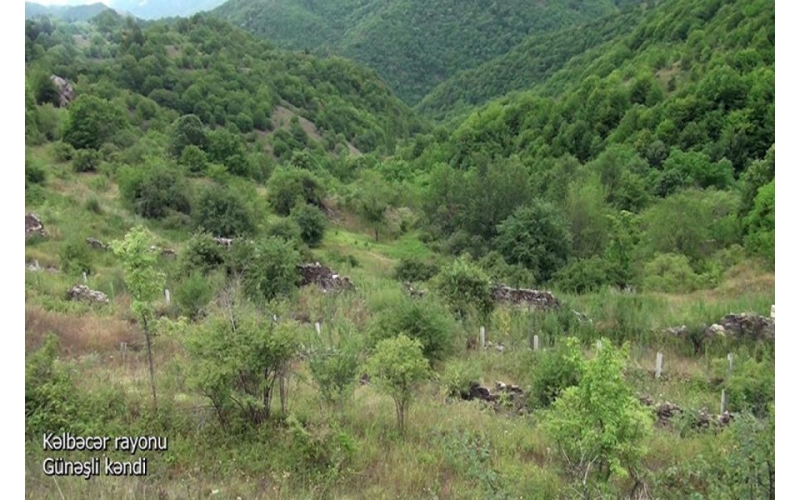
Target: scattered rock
{"type": "Point", "coordinates": [168, 252]}
{"type": "Point", "coordinates": [716, 329]}
{"type": "Point", "coordinates": [678, 331]}
{"type": "Point", "coordinates": [500, 347]}
{"type": "Point", "coordinates": [83, 292]}
{"type": "Point", "coordinates": [505, 396]}
{"type": "Point", "coordinates": [364, 379]}
{"type": "Point", "coordinates": [35, 267]}
{"type": "Point", "coordinates": [324, 277]}
{"type": "Point", "coordinates": [66, 94]}
{"type": "Point", "coordinates": [226, 242]}
{"type": "Point", "coordinates": [413, 291]}
{"type": "Point", "coordinates": [34, 226]}
{"type": "Point", "coordinates": [96, 244]}
{"type": "Point", "coordinates": [772, 312]}
{"type": "Point", "coordinates": [545, 301]}
{"type": "Point", "coordinates": [747, 325]}
{"type": "Point", "coordinates": [665, 412]}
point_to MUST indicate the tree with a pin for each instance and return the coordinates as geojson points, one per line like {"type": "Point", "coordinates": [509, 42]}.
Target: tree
{"type": "Point", "coordinates": [220, 212]}
{"type": "Point", "coordinates": [599, 425]}
{"type": "Point", "coordinates": [536, 237]}
{"type": "Point", "coordinates": [144, 284]}
{"type": "Point", "coordinates": [397, 366]}
{"type": "Point", "coordinates": [759, 224]}
{"type": "Point", "coordinates": [237, 359]}
{"type": "Point", "coordinates": [290, 186]}
{"type": "Point", "coordinates": [45, 90]}
{"type": "Point", "coordinates": [312, 223]}
{"type": "Point", "coordinates": [92, 121]}
{"type": "Point", "coordinates": [464, 287]}
{"type": "Point", "coordinates": [374, 196]}
{"type": "Point", "coordinates": [268, 267]}
{"type": "Point", "coordinates": [425, 321]}
{"type": "Point", "coordinates": [187, 130]}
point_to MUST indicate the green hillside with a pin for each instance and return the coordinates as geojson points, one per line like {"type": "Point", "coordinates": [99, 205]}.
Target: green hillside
{"type": "Point", "coordinates": [412, 44]}
{"type": "Point", "coordinates": [268, 259]}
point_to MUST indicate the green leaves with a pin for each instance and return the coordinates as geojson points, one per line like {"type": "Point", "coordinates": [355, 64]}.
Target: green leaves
{"type": "Point", "coordinates": [143, 281]}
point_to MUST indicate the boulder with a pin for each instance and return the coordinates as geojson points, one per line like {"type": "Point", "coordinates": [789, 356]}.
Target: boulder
{"type": "Point", "coordinates": [541, 300]}
{"type": "Point", "coordinates": [66, 94]}
{"type": "Point", "coordinates": [96, 244]}
{"type": "Point", "coordinates": [34, 226]}
{"type": "Point", "coordinates": [324, 277]}
{"type": "Point", "coordinates": [750, 326]}
{"type": "Point", "coordinates": [83, 292]}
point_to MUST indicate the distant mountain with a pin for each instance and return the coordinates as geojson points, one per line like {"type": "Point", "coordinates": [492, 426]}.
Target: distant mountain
{"type": "Point", "coordinates": [65, 12]}
{"type": "Point", "coordinates": [413, 44]}
{"type": "Point", "coordinates": [156, 9]}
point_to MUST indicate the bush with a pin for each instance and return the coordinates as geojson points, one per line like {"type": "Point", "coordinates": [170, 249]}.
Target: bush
{"type": "Point", "coordinates": [458, 377]}
{"type": "Point", "coordinates": [85, 160]}
{"type": "Point", "coordinates": [415, 270]}
{"type": "Point", "coordinates": [221, 212]}
{"type": "Point", "coordinates": [465, 288]}
{"type": "Point", "coordinates": [154, 191]}
{"type": "Point", "coordinates": [582, 276]}
{"type": "Point", "coordinates": [93, 205]}
{"type": "Point", "coordinates": [311, 222]}
{"type": "Point", "coordinates": [193, 294]}
{"type": "Point", "coordinates": [34, 173]}
{"type": "Point", "coordinates": [670, 273]}
{"type": "Point", "coordinates": [285, 228]}
{"type": "Point", "coordinates": [290, 186]}
{"type": "Point", "coordinates": [201, 254]}
{"type": "Point", "coordinates": [75, 257]}
{"type": "Point", "coordinates": [269, 267]}
{"type": "Point", "coordinates": [63, 151]}
{"type": "Point", "coordinates": [420, 320]}
{"type": "Point", "coordinates": [237, 368]}
{"type": "Point", "coordinates": [751, 387]}
{"type": "Point", "coordinates": [553, 371]}
{"type": "Point", "coordinates": [334, 370]}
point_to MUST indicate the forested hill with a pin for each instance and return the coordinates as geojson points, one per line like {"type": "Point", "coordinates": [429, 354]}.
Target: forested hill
{"type": "Point", "coordinates": [65, 12]}
{"type": "Point", "coordinates": [413, 44]}
{"type": "Point", "coordinates": [221, 74]}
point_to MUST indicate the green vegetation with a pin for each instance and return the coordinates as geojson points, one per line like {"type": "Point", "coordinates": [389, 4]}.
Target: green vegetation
{"type": "Point", "coordinates": [627, 164]}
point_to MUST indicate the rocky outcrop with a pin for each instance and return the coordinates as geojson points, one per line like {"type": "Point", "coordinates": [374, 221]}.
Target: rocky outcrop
{"type": "Point", "coordinates": [324, 277]}
{"type": "Point", "coordinates": [541, 300]}
{"type": "Point", "coordinates": [34, 226]}
{"type": "Point", "coordinates": [96, 244]}
{"type": "Point", "coordinates": [83, 292]}
{"type": "Point", "coordinates": [66, 94]}
{"type": "Point", "coordinates": [744, 326]}
{"type": "Point", "coordinates": [504, 398]}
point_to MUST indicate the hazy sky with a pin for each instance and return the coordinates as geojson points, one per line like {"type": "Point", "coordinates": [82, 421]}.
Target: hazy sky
{"type": "Point", "coordinates": [65, 2]}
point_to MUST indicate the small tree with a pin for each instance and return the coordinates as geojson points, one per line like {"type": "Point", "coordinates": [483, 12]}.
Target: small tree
{"type": "Point", "coordinates": [334, 369]}
{"type": "Point", "coordinates": [144, 284]}
{"type": "Point", "coordinates": [374, 196]}
{"type": "Point", "coordinates": [464, 287]}
{"type": "Point", "coordinates": [599, 425]}
{"type": "Point", "coordinates": [312, 222]}
{"type": "Point", "coordinates": [237, 360]}
{"type": "Point", "coordinates": [397, 367]}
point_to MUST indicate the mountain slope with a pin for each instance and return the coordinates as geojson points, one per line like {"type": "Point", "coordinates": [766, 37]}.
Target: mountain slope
{"type": "Point", "coordinates": [413, 44]}
{"type": "Point", "coordinates": [65, 12]}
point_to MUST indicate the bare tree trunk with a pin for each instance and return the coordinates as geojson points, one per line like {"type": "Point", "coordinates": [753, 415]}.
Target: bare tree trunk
{"type": "Point", "coordinates": [150, 362]}
{"type": "Point", "coordinates": [376, 234]}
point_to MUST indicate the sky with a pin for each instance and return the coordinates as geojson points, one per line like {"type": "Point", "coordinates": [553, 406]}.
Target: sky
{"type": "Point", "coordinates": [65, 2]}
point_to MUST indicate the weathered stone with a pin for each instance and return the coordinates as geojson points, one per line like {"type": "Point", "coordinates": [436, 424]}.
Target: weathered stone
{"type": "Point", "coordinates": [96, 244]}
{"type": "Point", "coordinates": [83, 292]}
{"type": "Point", "coordinates": [499, 386]}
{"type": "Point", "coordinates": [323, 277]}
{"type": "Point", "coordinates": [168, 252]}
{"type": "Point", "coordinates": [413, 291]}
{"type": "Point", "coordinates": [34, 226]}
{"type": "Point", "coordinates": [226, 242]}
{"type": "Point", "coordinates": [66, 94]}
{"type": "Point", "coordinates": [545, 301]}
{"type": "Point", "coordinates": [500, 348]}
{"type": "Point", "coordinates": [751, 326]}
{"type": "Point", "coordinates": [716, 329]}
{"type": "Point", "coordinates": [678, 331]}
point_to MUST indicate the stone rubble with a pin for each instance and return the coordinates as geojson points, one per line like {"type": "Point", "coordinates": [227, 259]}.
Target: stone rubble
{"type": "Point", "coordinates": [66, 94]}
{"type": "Point", "coordinates": [34, 226]}
{"type": "Point", "coordinates": [83, 292]}
{"type": "Point", "coordinates": [324, 277]}
{"type": "Point", "coordinates": [541, 300]}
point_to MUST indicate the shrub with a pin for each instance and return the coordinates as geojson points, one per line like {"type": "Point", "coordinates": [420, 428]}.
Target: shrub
{"type": "Point", "coordinates": [193, 294]}
{"type": "Point", "coordinates": [269, 267]}
{"type": "Point", "coordinates": [670, 273]}
{"type": "Point", "coordinates": [85, 160]}
{"type": "Point", "coordinates": [396, 367]}
{"type": "Point", "coordinates": [93, 205]}
{"type": "Point", "coordinates": [553, 371]}
{"type": "Point", "coordinates": [465, 288]}
{"type": "Point", "coordinates": [34, 173]}
{"type": "Point", "coordinates": [311, 222]}
{"type": "Point", "coordinates": [75, 257]}
{"type": "Point", "coordinates": [414, 270]}
{"type": "Point", "coordinates": [155, 190]}
{"type": "Point", "coordinates": [751, 387]}
{"type": "Point", "coordinates": [582, 276]}
{"type": "Point", "coordinates": [63, 151]}
{"type": "Point", "coordinates": [334, 370]}
{"type": "Point", "coordinates": [201, 254]}
{"type": "Point", "coordinates": [285, 228]}
{"type": "Point", "coordinates": [458, 377]}
{"type": "Point", "coordinates": [290, 186]}
{"type": "Point", "coordinates": [420, 320]}
{"type": "Point", "coordinates": [221, 212]}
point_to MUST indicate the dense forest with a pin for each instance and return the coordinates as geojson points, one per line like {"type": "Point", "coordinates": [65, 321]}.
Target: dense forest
{"type": "Point", "coordinates": [405, 249]}
{"type": "Point", "coordinates": [412, 44]}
